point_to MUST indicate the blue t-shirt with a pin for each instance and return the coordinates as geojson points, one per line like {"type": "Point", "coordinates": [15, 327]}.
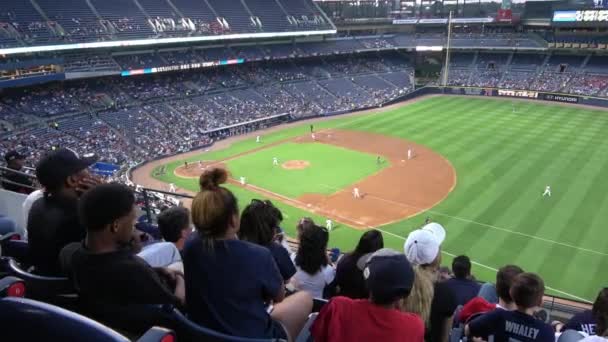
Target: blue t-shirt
{"type": "Point", "coordinates": [511, 326]}
{"type": "Point", "coordinates": [228, 286]}
{"type": "Point", "coordinates": [281, 257]}
{"type": "Point", "coordinates": [464, 289]}
{"type": "Point", "coordinates": [583, 321]}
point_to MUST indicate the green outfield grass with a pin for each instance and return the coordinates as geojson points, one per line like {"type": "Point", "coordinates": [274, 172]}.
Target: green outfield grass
{"type": "Point", "coordinates": [503, 160]}
{"type": "Point", "coordinates": [331, 168]}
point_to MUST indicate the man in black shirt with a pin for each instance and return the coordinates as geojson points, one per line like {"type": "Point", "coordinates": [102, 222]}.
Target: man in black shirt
{"type": "Point", "coordinates": [105, 268]}
{"type": "Point", "coordinates": [53, 220]}
{"type": "Point", "coordinates": [16, 181]}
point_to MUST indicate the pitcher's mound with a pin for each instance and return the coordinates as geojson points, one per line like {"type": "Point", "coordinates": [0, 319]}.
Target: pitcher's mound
{"type": "Point", "coordinates": [296, 164]}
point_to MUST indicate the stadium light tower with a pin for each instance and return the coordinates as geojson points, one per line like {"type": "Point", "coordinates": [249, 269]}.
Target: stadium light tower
{"type": "Point", "coordinates": [447, 53]}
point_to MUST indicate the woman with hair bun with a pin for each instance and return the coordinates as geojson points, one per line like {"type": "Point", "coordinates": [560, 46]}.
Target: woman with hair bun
{"type": "Point", "coordinates": [232, 284]}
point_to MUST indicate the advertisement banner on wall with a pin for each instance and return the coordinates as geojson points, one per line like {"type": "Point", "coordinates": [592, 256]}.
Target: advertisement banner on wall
{"type": "Point", "coordinates": [560, 98]}
{"type": "Point", "coordinates": [518, 93]}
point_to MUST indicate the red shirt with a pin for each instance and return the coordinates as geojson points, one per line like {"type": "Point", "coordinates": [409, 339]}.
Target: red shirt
{"type": "Point", "coordinates": [345, 319]}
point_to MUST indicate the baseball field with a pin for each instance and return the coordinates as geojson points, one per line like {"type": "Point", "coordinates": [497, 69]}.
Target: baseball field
{"type": "Point", "coordinates": [479, 167]}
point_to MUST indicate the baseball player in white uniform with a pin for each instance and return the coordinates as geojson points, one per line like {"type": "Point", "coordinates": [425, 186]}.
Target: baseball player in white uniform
{"type": "Point", "coordinates": [410, 153]}
{"type": "Point", "coordinates": [257, 139]}
{"type": "Point", "coordinates": [242, 179]}
{"type": "Point", "coordinates": [275, 161]}
{"type": "Point", "coordinates": [171, 187]}
{"type": "Point", "coordinates": [547, 191]}
{"type": "Point", "coordinates": [312, 135]}
{"type": "Point", "coordinates": [356, 193]}
{"type": "Point", "coordinates": [200, 164]}
{"type": "Point", "coordinates": [328, 224]}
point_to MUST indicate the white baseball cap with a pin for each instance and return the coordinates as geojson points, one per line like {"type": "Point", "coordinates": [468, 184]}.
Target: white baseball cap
{"type": "Point", "coordinates": [422, 245]}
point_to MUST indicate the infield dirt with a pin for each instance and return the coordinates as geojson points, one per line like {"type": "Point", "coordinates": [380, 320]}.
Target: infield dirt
{"type": "Point", "coordinates": [404, 188]}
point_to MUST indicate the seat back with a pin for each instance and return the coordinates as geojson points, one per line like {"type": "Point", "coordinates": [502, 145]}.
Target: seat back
{"type": "Point", "coordinates": [56, 290]}
{"type": "Point", "coordinates": [29, 320]}
{"type": "Point", "coordinates": [305, 335]}
{"type": "Point", "coordinates": [190, 331]}
{"type": "Point", "coordinates": [12, 287]}
{"type": "Point", "coordinates": [12, 246]}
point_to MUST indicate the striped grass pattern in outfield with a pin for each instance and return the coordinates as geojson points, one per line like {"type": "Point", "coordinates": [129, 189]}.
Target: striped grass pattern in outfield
{"type": "Point", "coordinates": [503, 159]}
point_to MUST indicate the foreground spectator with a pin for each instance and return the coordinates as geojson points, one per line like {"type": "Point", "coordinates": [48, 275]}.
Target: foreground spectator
{"type": "Point", "coordinates": [314, 269]}
{"type": "Point", "coordinates": [463, 286]}
{"type": "Point", "coordinates": [503, 325]}
{"type": "Point", "coordinates": [389, 277]}
{"type": "Point", "coordinates": [587, 321]}
{"type": "Point", "coordinates": [105, 267]}
{"type": "Point", "coordinates": [259, 224]}
{"type": "Point", "coordinates": [175, 226]}
{"type": "Point", "coordinates": [349, 271]}
{"type": "Point", "coordinates": [229, 281]}
{"type": "Point", "coordinates": [434, 301]}
{"type": "Point", "coordinates": [53, 219]}
{"type": "Point", "coordinates": [600, 314]}
{"type": "Point", "coordinates": [15, 181]}
{"type": "Point", "coordinates": [478, 305]}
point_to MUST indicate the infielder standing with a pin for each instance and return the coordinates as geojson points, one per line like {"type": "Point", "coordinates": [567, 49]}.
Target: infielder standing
{"type": "Point", "coordinates": [257, 139]}
{"type": "Point", "coordinates": [410, 153]}
{"type": "Point", "coordinates": [313, 136]}
{"type": "Point", "coordinates": [275, 161]}
{"type": "Point", "coordinates": [547, 191]}
{"type": "Point", "coordinates": [171, 187]}
{"type": "Point", "coordinates": [356, 193]}
{"type": "Point", "coordinates": [242, 179]}
{"type": "Point", "coordinates": [328, 224]}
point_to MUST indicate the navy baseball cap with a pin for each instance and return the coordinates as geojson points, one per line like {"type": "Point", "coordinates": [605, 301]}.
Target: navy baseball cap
{"type": "Point", "coordinates": [54, 168]}
{"type": "Point", "coordinates": [13, 155]}
{"type": "Point", "coordinates": [389, 275]}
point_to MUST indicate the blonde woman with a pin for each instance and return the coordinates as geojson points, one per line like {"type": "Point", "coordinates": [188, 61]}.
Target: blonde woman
{"type": "Point", "coordinates": [432, 300]}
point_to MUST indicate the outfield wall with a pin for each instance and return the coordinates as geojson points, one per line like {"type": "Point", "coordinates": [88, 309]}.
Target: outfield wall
{"type": "Point", "coordinates": [512, 93]}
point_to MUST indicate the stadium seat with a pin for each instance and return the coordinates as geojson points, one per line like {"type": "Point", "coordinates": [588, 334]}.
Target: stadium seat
{"type": "Point", "coordinates": [24, 319]}
{"type": "Point", "coordinates": [191, 331]}
{"type": "Point", "coordinates": [12, 287]}
{"type": "Point", "coordinates": [305, 335]}
{"type": "Point", "coordinates": [12, 246]}
{"type": "Point", "coordinates": [56, 290]}
{"type": "Point", "coordinates": [318, 304]}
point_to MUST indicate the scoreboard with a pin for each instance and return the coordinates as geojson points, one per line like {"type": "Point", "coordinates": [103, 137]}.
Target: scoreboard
{"type": "Point", "coordinates": [586, 17]}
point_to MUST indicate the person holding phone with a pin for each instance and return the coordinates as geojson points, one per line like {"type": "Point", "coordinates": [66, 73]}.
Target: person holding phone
{"type": "Point", "coordinates": [53, 219]}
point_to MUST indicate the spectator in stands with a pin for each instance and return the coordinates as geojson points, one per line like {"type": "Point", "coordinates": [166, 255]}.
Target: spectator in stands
{"type": "Point", "coordinates": [229, 281]}
{"type": "Point", "coordinates": [431, 299]}
{"type": "Point", "coordinates": [463, 286]}
{"type": "Point", "coordinates": [16, 181]}
{"type": "Point", "coordinates": [588, 321]}
{"type": "Point", "coordinates": [260, 225]}
{"type": "Point", "coordinates": [389, 277]}
{"type": "Point", "coordinates": [314, 269]}
{"type": "Point", "coordinates": [349, 271]}
{"type": "Point", "coordinates": [27, 206]}
{"type": "Point", "coordinates": [53, 220]}
{"type": "Point", "coordinates": [479, 305]}
{"type": "Point", "coordinates": [527, 292]}
{"type": "Point", "coordinates": [174, 225]}
{"type": "Point", "coordinates": [105, 269]}
{"type": "Point", "coordinates": [600, 313]}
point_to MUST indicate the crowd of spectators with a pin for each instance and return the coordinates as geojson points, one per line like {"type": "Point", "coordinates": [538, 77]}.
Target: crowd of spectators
{"type": "Point", "coordinates": [87, 229]}
{"type": "Point", "coordinates": [563, 77]}
{"type": "Point", "coordinates": [129, 120]}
